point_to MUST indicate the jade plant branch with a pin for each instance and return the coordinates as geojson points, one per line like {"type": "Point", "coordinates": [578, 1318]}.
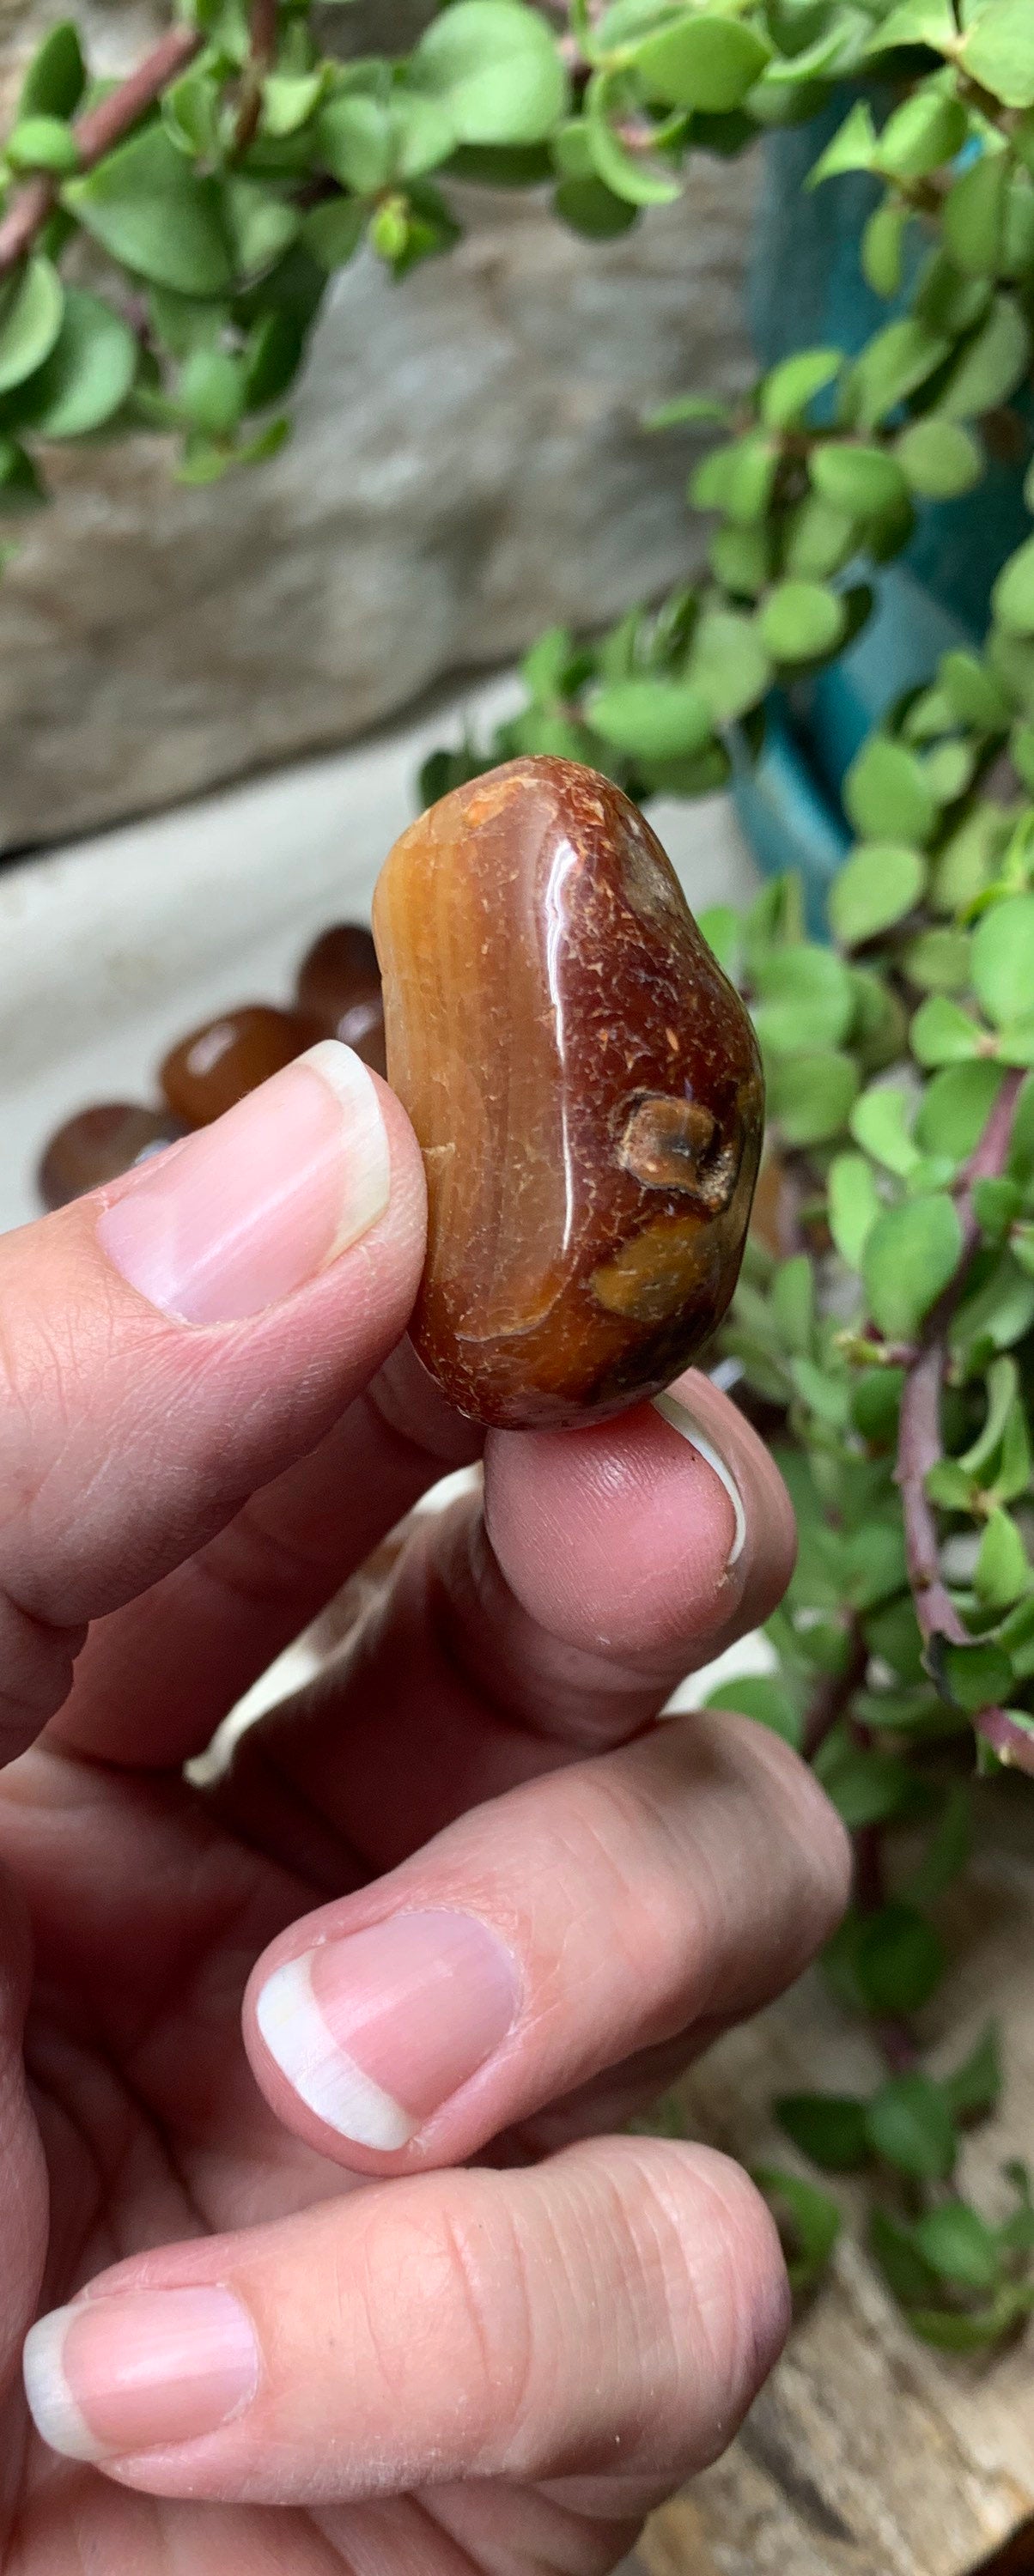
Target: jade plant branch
{"type": "Point", "coordinates": [95, 133]}
{"type": "Point", "coordinates": [919, 1440]}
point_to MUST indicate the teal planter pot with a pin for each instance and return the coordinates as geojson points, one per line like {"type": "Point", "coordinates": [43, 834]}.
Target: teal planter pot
{"type": "Point", "coordinates": [806, 290]}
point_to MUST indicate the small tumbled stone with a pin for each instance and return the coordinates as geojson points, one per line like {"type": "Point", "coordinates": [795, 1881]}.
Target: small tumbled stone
{"type": "Point", "coordinates": [339, 984]}
{"type": "Point", "coordinates": [99, 1143]}
{"type": "Point", "coordinates": [586, 1088]}
{"type": "Point", "coordinates": [218, 1064]}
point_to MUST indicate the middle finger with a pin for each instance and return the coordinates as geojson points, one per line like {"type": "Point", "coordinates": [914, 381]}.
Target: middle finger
{"type": "Point", "coordinates": [550, 1622]}
{"type": "Point", "coordinates": [540, 1939]}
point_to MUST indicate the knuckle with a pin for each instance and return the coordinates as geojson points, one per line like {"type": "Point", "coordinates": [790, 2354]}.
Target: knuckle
{"type": "Point", "coordinates": [457, 2255]}
{"type": "Point", "coordinates": [719, 2270]}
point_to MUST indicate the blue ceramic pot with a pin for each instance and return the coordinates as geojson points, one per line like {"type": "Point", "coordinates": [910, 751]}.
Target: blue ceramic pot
{"type": "Point", "coordinates": [807, 289]}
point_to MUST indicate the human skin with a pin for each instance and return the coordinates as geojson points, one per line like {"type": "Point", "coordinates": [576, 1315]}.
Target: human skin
{"type": "Point", "coordinates": [464, 1891]}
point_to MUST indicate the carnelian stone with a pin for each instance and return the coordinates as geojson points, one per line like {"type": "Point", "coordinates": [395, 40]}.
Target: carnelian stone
{"type": "Point", "coordinates": [99, 1143]}
{"type": "Point", "coordinates": [216, 1065]}
{"type": "Point", "coordinates": [339, 984]}
{"type": "Point", "coordinates": [586, 1088]}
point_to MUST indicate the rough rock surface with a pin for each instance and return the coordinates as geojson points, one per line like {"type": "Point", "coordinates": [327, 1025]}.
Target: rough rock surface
{"type": "Point", "coordinates": [469, 465]}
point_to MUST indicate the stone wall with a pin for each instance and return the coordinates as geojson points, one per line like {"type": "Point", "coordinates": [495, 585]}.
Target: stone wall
{"type": "Point", "coordinates": [468, 466]}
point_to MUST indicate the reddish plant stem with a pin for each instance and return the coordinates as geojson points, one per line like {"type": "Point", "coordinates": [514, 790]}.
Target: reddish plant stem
{"type": "Point", "coordinates": [262, 55]}
{"type": "Point", "coordinates": [919, 1438]}
{"type": "Point", "coordinates": [95, 133]}
{"type": "Point", "coordinates": [832, 1698]}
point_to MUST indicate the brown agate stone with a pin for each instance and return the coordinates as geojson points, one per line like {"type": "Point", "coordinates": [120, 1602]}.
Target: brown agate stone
{"type": "Point", "coordinates": [215, 1066]}
{"type": "Point", "coordinates": [99, 1143]}
{"type": "Point", "coordinates": [339, 984]}
{"type": "Point", "coordinates": [586, 1088]}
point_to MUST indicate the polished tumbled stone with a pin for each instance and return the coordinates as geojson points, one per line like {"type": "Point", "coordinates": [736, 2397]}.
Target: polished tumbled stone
{"type": "Point", "coordinates": [586, 1088]}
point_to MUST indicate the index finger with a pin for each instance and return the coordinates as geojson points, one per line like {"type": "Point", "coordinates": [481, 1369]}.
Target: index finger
{"type": "Point", "coordinates": [172, 1342]}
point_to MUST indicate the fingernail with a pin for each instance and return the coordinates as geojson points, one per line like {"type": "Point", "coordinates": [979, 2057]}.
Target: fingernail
{"type": "Point", "coordinates": [375, 2032]}
{"type": "Point", "coordinates": [138, 2370]}
{"type": "Point", "coordinates": [684, 1422]}
{"type": "Point", "coordinates": [245, 1211]}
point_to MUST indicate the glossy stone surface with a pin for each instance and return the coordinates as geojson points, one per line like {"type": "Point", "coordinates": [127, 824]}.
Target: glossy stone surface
{"type": "Point", "coordinates": [339, 984]}
{"type": "Point", "coordinates": [99, 1143]}
{"type": "Point", "coordinates": [586, 1088]}
{"type": "Point", "coordinates": [217, 1064]}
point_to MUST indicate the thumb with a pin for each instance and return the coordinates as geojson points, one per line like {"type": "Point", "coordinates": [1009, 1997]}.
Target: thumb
{"type": "Point", "coordinates": [176, 1340]}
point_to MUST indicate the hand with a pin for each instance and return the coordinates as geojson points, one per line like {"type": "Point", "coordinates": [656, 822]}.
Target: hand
{"type": "Point", "coordinates": [367, 2249]}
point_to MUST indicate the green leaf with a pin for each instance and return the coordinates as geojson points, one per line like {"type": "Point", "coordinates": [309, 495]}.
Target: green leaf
{"type": "Point", "coordinates": [876, 1399]}
{"type": "Point", "coordinates": [883, 243]}
{"type": "Point", "coordinates": [814, 2222]}
{"type": "Point", "coordinates": [854, 146]}
{"type": "Point", "coordinates": [865, 1788]}
{"type": "Point", "coordinates": [910, 1255]}
{"type": "Point", "coordinates": [881, 1122]}
{"type": "Point", "coordinates": [1013, 595]}
{"type": "Point", "coordinates": [887, 795]}
{"type": "Point", "coordinates": [975, 2087]}
{"type": "Point", "coordinates": [801, 621]}
{"type": "Point", "coordinates": [685, 407]}
{"type": "Point", "coordinates": [274, 353]}
{"type": "Point", "coordinates": [939, 458]}
{"type": "Point", "coordinates": [956, 1106]}
{"type": "Point", "coordinates": [191, 115]}
{"type": "Point", "coordinates": [333, 232]}
{"type": "Point", "coordinates": [942, 1033]}
{"type": "Point", "coordinates": [938, 960]}
{"type": "Point", "coordinates": [894, 364]}
{"type": "Point", "coordinates": [737, 478]}
{"type": "Point", "coordinates": [910, 2126]}
{"type": "Point", "coordinates": [946, 1852]}
{"type": "Point", "coordinates": [153, 212]}
{"type": "Point", "coordinates": [828, 2127]}
{"type": "Point", "coordinates": [789, 388]}
{"type": "Point", "coordinates": [495, 67]}
{"type": "Point", "coordinates": [651, 719]}
{"type": "Point", "coordinates": [854, 1206]}
{"type": "Point", "coordinates": [356, 139]}
{"type": "Point", "coordinates": [288, 100]}
{"type": "Point", "coordinates": [729, 664]}
{"type": "Point", "coordinates": [31, 309]}
{"type": "Point", "coordinates": [860, 480]}
{"type": "Point", "coordinates": [952, 2331]}
{"type": "Point", "coordinates": [755, 1695]}
{"type": "Point", "coordinates": [701, 62]}
{"type": "Point", "coordinates": [56, 77]}
{"type": "Point", "coordinates": [642, 180]}
{"type": "Point", "coordinates": [88, 373]}
{"type": "Point", "coordinates": [1002, 1572]}
{"type": "Point", "coordinates": [974, 215]}
{"type": "Point", "coordinates": [43, 143]}
{"type": "Point", "coordinates": [720, 924]}
{"type": "Point", "coordinates": [818, 540]}
{"type": "Point", "coordinates": [998, 51]}
{"type": "Point", "coordinates": [959, 2245]}
{"type": "Point", "coordinates": [876, 887]}
{"type": "Point", "coordinates": [804, 999]}
{"type": "Point", "coordinates": [991, 365]}
{"type": "Point", "coordinates": [972, 1676]}
{"type": "Point", "coordinates": [1003, 959]}
{"type": "Point", "coordinates": [973, 694]}
{"type": "Point", "coordinates": [592, 209]}
{"type": "Point", "coordinates": [928, 129]}
{"type": "Point", "coordinates": [895, 2250]}
{"type": "Point", "coordinates": [211, 391]}
{"type": "Point", "coordinates": [916, 22]}
{"type": "Point", "coordinates": [811, 1096]}
{"type": "Point", "coordinates": [739, 558]}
